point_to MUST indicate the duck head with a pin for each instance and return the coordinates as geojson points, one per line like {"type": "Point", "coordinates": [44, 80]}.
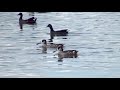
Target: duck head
{"type": "Point", "coordinates": [60, 48]}
{"type": "Point", "coordinates": [44, 41]}
{"type": "Point", "coordinates": [49, 25]}
{"type": "Point", "coordinates": [20, 14]}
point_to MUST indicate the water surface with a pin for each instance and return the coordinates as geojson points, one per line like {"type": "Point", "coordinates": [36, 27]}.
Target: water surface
{"type": "Point", "coordinates": [96, 35]}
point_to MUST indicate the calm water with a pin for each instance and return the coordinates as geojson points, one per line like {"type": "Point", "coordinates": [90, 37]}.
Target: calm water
{"type": "Point", "coordinates": [96, 35]}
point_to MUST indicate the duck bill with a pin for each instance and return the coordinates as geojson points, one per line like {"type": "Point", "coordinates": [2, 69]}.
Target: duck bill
{"type": "Point", "coordinates": [38, 43]}
{"type": "Point", "coordinates": [55, 52]}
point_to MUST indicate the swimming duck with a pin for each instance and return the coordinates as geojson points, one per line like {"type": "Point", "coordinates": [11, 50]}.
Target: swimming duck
{"type": "Point", "coordinates": [63, 32]}
{"type": "Point", "coordinates": [31, 20]}
{"type": "Point", "coordinates": [50, 45]}
{"type": "Point", "coordinates": [67, 53]}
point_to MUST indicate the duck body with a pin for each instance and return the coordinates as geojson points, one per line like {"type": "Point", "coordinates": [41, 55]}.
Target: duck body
{"type": "Point", "coordinates": [63, 32]}
{"type": "Point", "coordinates": [31, 20]}
{"type": "Point", "coordinates": [53, 45]}
{"type": "Point", "coordinates": [68, 54]}
{"type": "Point", "coordinates": [59, 33]}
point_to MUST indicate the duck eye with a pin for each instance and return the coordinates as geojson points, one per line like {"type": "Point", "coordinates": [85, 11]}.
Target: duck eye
{"type": "Point", "coordinates": [43, 40]}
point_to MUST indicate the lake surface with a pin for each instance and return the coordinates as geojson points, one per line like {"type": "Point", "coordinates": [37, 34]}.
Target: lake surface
{"type": "Point", "coordinates": [96, 35]}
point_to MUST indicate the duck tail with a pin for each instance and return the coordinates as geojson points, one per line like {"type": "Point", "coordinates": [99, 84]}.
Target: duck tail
{"type": "Point", "coordinates": [75, 52]}
{"type": "Point", "coordinates": [35, 19]}
{"type": "Point", "coordinates": [67, 31]}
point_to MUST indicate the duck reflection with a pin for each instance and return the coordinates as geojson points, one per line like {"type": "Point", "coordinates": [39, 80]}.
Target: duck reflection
{"type": "Point", "coordinates": [31, 13]}
{"type": "Point", "coordinates": [21, 26]}
{"type": "Point", "coordinates": [51, 38]}
{"type": "Point", "coordinates": [60, 59]}
{"type": "Point", "coordinates": [44, 49]}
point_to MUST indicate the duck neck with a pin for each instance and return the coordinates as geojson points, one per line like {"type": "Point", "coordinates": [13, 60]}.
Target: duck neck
{"type": "Point", "coordinates": [51, 28]}
{"type": "Point", "coordinates": [20, 17]}
{"type": "Point", "coordinates": [61, 50]}
{"type": "Point", "coordinates": [44, 44]}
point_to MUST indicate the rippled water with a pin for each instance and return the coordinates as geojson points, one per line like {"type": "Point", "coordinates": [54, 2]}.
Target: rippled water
{"type": "Point", "coordinates": [96, 35]}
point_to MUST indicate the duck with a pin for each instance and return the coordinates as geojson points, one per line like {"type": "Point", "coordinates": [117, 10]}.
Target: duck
{"type": "Point", "coordinates": [67, 53]}
{"type": "Point", "coordinates": [63, 32]}
{"type": "Point", "coordinates": [50, 45]}
{"type": "Point", "coordinates": [31, 20]}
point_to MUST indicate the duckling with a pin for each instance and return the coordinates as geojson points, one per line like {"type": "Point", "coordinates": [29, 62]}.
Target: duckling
{"type": "Point", "coordinates": [49, 45]}
{"type": "Point", "coordinates": [31, 20]}
{"type": "Point", "coordinates": [59, 32]}
{"type": "Point", "coordinates": [67, 53]}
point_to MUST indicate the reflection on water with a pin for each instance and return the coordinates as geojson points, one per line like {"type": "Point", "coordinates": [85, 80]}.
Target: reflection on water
{"type": "Point", "coordinates": [60, 59]}
{"type": "Point", "coordinates": [32, 25]}
{"type": "Point", "coordinates": [95, 35]}
{"type": "Point", "coordinates": [31, 13]}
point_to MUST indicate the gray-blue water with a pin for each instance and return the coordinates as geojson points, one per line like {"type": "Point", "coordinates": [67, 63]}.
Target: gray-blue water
{"type": "Point", "coordinates": [96, 35]}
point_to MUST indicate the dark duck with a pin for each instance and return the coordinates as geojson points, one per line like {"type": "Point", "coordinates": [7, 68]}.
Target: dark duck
{"type": "Point", "coordinates": [63, 32]}
{"type": "Point", "coordinates": [31, 20]}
